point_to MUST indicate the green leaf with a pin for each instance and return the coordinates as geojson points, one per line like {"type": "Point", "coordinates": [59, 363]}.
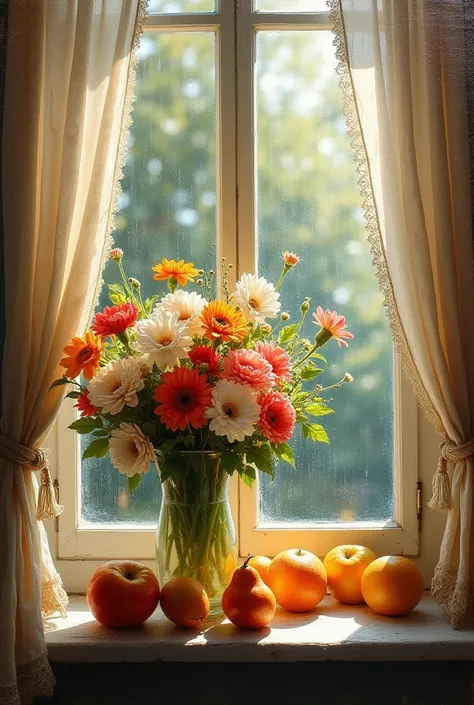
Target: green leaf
{"type": "Point", "coordinates": [86, 424]}
{"type": "Point", "coordinates": [318, 356]}
{"type": "Point", "coordinates": [117, 294]}
{"type": "Point", "coordinates": [169, 466]}
{"type": "Point", "coordinates": [59, 382]}
{"type": "Point", "coordinates": [315, 432]}
{"type": "Point", "coordinates": [96, 449]}
{"type": "Point", "coordinates": [318, 409]}
{"type": "Point", "coordinates": [149, 428]}
{"type": "Point", "coordinates": [133, 482]}
{"type": "Point", "coordinates": [309, 372]}
{"type": "Point", "coordinates": [285, 452]}
{"type": "Point", "coordinates": [261, 457]}
{"type": "Point", "coordinates": [248, 475]}
{"type": "Point", "coordinates": [150, 303]}
{"type": "Point", "coordinates": [73, 395]}
{"type": "Point", "coordinates": [101, 433]}
{"type": "Point", "coordinates": [231, 461]}
{"type": "Point", "coordinates": [288, 333]}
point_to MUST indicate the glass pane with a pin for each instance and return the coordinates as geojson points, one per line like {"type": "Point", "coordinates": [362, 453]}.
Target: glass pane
{"type": "Point", "coordinates": [167, 209]}
{"type": "Point", "coordinates": [308, 196]}
{"type": "Point", "coordinates": [291, 5]}
{"type": "Point", "coordinates": [174, 7]}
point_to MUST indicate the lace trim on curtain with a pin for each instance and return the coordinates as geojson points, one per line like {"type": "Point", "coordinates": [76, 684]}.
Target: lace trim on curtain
{"type": "Point", "coordinates": [122, 148]}
{"type": "Point", "coordinates": [33, 679]}
{"type": "Point", "coordinates": [455, 597]}
{"type": "Point", "coordinates": [54, 599]}
{"type": "Point", "coordinates": [374, 234]}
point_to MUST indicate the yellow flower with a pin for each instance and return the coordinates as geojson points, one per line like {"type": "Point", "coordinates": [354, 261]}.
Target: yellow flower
{"type": "Point", "coordinates": [181, 272]}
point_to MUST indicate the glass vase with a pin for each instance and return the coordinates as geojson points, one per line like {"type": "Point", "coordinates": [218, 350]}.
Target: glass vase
{"type": "Point", "coordinates": [196, 534]}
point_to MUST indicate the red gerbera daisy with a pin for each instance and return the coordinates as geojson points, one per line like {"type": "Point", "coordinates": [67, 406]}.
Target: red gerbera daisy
{"type": "Point", "coordinates": [277, 417]}
{"type": "Point", "coordinates": [115, 319]}
{"type": "Point", "coordinates": [183, 396]}
{"type": "Point", "coordinates": [206, 359]}
{"type": "Point", "coordinates": [84, 405]}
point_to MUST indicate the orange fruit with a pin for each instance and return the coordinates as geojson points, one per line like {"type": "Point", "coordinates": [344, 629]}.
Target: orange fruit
{"type": "Point", "coordinates": [261, 565]}
{"type": "Point", "coordinates": [392, 586]}
{"type": "Point", "coordinates": [345, 566]}
{"type": "Point", "coordinates": [298, 580]}
{"type": "Point", "coordinates": [185, 602]}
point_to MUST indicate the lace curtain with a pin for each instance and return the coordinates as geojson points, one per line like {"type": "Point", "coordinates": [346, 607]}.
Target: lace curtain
{"type": "Point", "coordinates": [404, 77]}
{"type": "Point", "coordinates": [67, 99]}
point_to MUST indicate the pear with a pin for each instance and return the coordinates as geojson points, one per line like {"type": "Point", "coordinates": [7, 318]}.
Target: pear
{"type": "Point", "coordinates": [247, 601]}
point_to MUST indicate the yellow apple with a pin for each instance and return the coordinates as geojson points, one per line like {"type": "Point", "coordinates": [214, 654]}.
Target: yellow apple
{"type": "Point", "coordinates": [345, 566]}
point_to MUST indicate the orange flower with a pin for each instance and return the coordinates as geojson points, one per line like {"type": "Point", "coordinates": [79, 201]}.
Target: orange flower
{"type": "Point", "coordinates": [183, 396]}
{"type": "Point", "coordinates": [290, 259]}
{"type": "Point", "coordinates": [182, 272]}
{"type": "Point", "coordinates": [221, 320]}
{"type": "Point", "coordinates": [83, 355]}
{"type": "Point", "coordinates": [332, 326]}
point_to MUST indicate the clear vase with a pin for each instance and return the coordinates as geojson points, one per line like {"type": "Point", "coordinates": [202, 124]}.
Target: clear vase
{"type": "Point", "coordinates": [196, 533]}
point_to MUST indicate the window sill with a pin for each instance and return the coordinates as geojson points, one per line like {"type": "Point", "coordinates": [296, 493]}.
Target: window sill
{"type": "Point", "coordinates": [332, 633]}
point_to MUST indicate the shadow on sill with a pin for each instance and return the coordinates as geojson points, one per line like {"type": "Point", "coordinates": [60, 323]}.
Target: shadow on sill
{"type": "Point", "coordinates": [343, 683]}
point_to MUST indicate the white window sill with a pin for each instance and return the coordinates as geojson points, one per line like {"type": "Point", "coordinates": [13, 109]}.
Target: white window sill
{"type": "Point", "coordinates": [331, 633]}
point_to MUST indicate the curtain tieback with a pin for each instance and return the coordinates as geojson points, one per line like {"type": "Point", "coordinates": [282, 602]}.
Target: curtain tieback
{"type": "Point", "coordinates": [449, 453]}
{"type": "Point", "coordinates": [34, 459]}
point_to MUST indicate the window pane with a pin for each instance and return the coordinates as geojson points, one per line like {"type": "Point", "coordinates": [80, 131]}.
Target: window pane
{"type": "Point", "coordinates": [308, 196]}
{"type": "Point", "coordinates": [167, 209]}
{"type": "Point", "coordinates": [174, 7]}
{"type": "Point", "coordinates": [291, 5]}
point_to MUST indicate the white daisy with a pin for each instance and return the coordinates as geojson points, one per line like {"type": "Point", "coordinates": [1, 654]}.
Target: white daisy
{"type": "Point", "coordinates": [117, 384]}
{"type": "Point", "coordinates": [234, 411]}
{"type": "Point", "coordinates": [130, 450]}
{"type": "Point", "coordinates": [188, 305]}
{"type": "Point", "coordinates": [164, 338]}
{"type": "Point", "coordinates": [256, 298]}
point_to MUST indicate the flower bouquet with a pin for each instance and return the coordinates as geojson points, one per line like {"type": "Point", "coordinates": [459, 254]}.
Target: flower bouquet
{"type": "Point", "coordinates": [203, 387]}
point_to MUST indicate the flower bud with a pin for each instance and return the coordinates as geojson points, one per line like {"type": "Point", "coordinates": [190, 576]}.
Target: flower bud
{"type": "Point", "coordinates": [305, 305]}
{"type": "Point", "coordinates": [348, 377]}
{"type": "Point", "coordinates": [199, 282]}
{"type": "Point", "coordinates": [200, 272]}
{"type": "Point", "coordinates": [285, 316]}
{"type": "Point", "coordinates": [266, 328]}
{"type": "Point", "coordinates": [116, 254]}
{"type": "Point", "coordinates": [290, 259]}
{"type": "Point", "coordinates": [135, 283]}
{"type": "Point", "coordinates": [211, 272]}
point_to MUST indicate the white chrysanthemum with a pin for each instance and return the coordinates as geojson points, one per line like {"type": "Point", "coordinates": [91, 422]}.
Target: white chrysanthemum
{"type": "Point", "coordinates": [234, 411]}
{"type": "Point", "coordinates": [130, 450]}
{"type": "Point", "coordinates": [256, 298]}
{"type": "Point", "coordinates": [188, 305]}
{"type": "Point", "coordinates": [117, 384]}
{"type": "Point", "coordinates": [164, 338]}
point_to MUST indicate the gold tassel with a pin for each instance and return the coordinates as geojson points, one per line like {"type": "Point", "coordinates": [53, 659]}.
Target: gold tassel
{"type": "Point", "coordinates": [47, 508]}
{"type": "Point", "coordinates": [441, 500]}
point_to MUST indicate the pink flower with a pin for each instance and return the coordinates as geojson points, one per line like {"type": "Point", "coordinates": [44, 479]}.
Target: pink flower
{"type": "Point", "coordinates": [290, 259]}
{"type": "Point", "coordinates": [115, 319]}
{"type": "Point", "coordinates": [249, 368]}
{"type": "Point", "coordinates": [278, 358]}
{"type": "Point", "coordinates": [116, 254]}
{"type": "Point", "coordinates": [332, 326]}
{"type": "Point", "coordinates": [277, 417]}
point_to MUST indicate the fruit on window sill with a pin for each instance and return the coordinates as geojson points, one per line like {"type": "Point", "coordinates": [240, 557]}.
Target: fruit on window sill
{"type": "Point", "coordinates": [392, 586]}
{"type": "Point", "coordinates": [345, 566]}
{"type": "Point", "coordinates": [298, 580]}
{"type": "Point", "coordinates": [247, 601]}
{"type": "Point", "coordinates": [123, 594]}
{"type": "Point", "coordinates": [261, 565]}
{"type": "Point", "coordinates": [185, 602]}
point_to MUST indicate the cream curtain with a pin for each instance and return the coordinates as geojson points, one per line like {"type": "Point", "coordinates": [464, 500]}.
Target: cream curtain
{"type": "Point", "coordinates": [403, 73]}
{"type": "Point", "coordinates": [69, 64]}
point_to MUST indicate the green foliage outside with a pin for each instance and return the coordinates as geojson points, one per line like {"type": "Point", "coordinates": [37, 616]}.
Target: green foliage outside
{"type": "Point", "coordinates": [308, 203]}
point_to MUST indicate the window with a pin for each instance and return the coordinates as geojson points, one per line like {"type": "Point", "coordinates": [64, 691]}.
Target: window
{"type": "Point", "coordinates": [239, 139]}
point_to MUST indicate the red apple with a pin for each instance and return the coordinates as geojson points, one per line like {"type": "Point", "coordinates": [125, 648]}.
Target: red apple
{"type": "Point", "coordinates": [345, 566]}
{"type": "Point", "coordinates": [123, 594]}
